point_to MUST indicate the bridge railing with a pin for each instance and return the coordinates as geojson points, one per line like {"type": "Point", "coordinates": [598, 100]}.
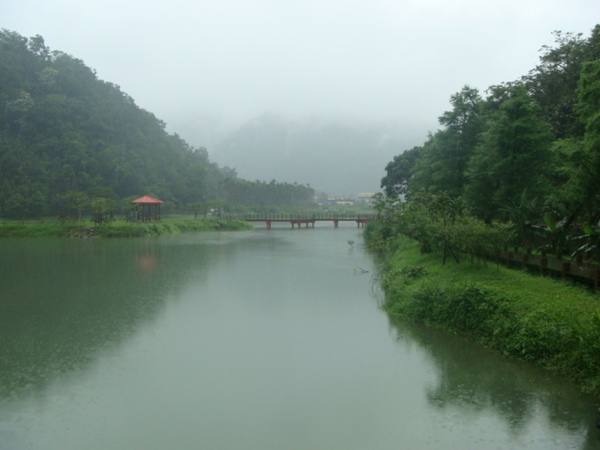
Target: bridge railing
{"type": "Point", "coordinates": [291, 217]}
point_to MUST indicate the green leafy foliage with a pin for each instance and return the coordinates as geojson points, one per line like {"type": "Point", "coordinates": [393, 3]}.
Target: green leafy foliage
{"type": "Point", "coordinates": [588, 244]}
{"type": "Point", "coordinates": [538, 136]}
{"type": "Point", "coordinates": [556, 235]}
{"type": "Point", "coordinates": [400, 171]}
{"type": "Point", "coordinates": [511, 157]}
{"type": "Point", "coordinates": [439, 223]}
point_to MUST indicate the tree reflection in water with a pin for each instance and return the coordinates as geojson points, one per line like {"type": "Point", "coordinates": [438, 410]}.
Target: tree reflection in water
{"type": "Point", "coordinates": [472, 378]}
{"type": "Point", "coordinates": [63, 301]}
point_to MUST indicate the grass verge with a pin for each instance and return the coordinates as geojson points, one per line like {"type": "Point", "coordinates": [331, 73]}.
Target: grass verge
{"type": "Point", "coordinates": [117, 229]}
{"type": "Point", "coordinates": [546, 321]}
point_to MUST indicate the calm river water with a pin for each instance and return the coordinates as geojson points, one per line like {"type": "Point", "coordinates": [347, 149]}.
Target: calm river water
{"type": "Point", "coordinates": [250, 340]}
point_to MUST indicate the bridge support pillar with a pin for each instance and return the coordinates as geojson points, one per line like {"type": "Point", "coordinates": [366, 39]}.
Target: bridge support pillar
{"type": "Point", "coordinates": [268, 222]}
{"type": "Point", "coordinates": [335, 223]}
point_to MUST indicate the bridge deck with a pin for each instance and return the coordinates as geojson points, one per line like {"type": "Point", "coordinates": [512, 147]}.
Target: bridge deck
{"type": "Point", "coordinates": [300, 219]}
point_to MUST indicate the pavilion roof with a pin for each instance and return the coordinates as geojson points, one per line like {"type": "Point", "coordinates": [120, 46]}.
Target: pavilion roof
{"type": "Point", "coordinates": [146, 199]}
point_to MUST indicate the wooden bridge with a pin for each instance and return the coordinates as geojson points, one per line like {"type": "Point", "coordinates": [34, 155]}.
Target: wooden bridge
{"type": "Point", "coordinates": [302, 219]}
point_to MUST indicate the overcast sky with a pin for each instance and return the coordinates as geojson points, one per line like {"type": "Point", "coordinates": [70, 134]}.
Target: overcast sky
{"type": "Point", "coordinates": [202, 65]}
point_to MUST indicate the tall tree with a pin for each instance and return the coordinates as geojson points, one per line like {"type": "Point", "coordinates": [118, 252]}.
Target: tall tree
{"type": "Point", "coordinates": [399, 172]}
{"type": "Point", "coordinates": [553, 82]}
{"type": "Point", "coordinates": [442, 165]}
{"type": "Point", "coordinates": [580, 158]}
{"type": "Point", "coordinates": [512, 156]}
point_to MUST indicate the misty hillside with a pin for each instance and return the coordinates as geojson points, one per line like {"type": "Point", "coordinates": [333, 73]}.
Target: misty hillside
{"type": "Point", "coordinates": [336, 157]}
{"type": "Point", "coordinates": [69, 139]}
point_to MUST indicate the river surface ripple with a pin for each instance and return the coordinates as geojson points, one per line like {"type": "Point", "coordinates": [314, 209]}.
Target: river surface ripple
{"type": "Point", "coordinates": [268, 339]}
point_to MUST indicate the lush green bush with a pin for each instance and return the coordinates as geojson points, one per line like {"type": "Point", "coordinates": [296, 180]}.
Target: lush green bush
{"type": "Point", "coordinates": [379, 236]}
{"type": "Point", "coordinates": [439, 223]}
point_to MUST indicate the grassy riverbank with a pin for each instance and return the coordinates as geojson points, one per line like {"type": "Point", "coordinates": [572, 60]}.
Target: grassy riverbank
{"type": "Point", "coordinates": [117, 228]}
{"type": "Point", "coordinates": [538, 319]}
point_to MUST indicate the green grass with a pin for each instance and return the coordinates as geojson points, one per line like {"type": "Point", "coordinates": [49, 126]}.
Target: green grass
{"type": "Point", "coordinates": [117, 228]}
{"type": "Point", "coordinates": [16, 229]}
{"type": "Point", "coordinates": [549, 322]}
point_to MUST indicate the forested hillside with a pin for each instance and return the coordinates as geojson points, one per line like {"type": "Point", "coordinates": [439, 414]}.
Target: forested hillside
{"type": "Point", "coordinates": [523, 149]}
{"type": "Point", "coordinates": [70, 141]}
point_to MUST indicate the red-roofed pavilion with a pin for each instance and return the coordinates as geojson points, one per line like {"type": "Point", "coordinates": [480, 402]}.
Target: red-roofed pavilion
{"type": "Point", "coordinates": [147, 208]}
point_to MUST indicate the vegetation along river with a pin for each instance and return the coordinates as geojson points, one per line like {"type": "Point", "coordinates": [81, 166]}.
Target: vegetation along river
{"type": "Point", "coordinates": [265, 339]}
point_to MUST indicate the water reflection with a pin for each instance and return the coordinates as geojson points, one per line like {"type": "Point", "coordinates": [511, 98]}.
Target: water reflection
{"type": "Point", "coordinates": [64, 300]}
{"type": "Point", "coordinates": [473, 379]}
{"type": "Point", "coordinates": [178, 341]}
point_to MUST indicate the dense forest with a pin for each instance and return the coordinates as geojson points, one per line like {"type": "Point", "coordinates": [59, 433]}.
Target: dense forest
{"type": "Point", "coordinates": [70, 142]}
{"type": "Point", "coordinates": [524, 149]}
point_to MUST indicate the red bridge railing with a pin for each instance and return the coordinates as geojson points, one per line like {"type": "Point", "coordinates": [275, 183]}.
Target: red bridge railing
{"type": "Point", "coordinates": [289, 217]}
{"type": "Point", "coordinates": [300, 219]}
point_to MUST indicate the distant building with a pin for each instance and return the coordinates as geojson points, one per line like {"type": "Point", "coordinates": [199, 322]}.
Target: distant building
{"type": "Point", "coordinates": [366, 197]}
{"type": "Point", "coordinates": [339, 200]}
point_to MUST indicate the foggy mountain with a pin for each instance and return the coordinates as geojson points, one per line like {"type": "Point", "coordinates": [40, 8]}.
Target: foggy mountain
{"type": "Point", "coordinates": [336, 157]}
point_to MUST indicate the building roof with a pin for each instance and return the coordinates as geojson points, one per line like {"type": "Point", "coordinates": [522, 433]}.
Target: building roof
{"type": "Point", "coordinates": [146, 199]}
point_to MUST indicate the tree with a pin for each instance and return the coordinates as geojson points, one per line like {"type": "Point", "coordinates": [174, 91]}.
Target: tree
{"type": "Point", "coordinates": [197, 207]}
{"type": "Point", "coordinates": [441, 167]}
{"type": "Point", "coordinates": [18, 111]}
{"type": "Point", "coordinates": [465, 115]}
{"type": "Point", "coordinates": [584, 162]}
{"type": "Point", "coordinates": [553, 83]}
{"type": "Point", "coordinates": [399, 172]}
{"type": "Point", "coordinates": [77, 200]}
{"type": "Point", "coordinates": [17, 206]}
{"type": "Point", "coordinates": [102, 209]}
{"type": "Point", "coordinates": [512, 157]}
